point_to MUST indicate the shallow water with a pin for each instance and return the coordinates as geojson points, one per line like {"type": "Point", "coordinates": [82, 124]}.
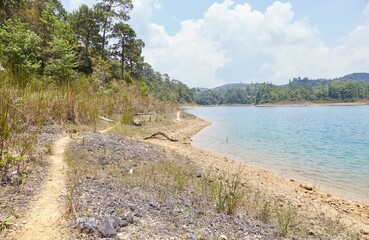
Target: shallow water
{"type": "Point", "coordinates": [327, 146]}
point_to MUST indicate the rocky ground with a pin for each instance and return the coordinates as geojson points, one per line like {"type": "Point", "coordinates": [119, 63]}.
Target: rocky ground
{"type": "Point", "coordinates": [131, 190]}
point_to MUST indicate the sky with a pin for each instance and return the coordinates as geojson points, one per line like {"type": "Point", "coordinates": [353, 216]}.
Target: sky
{"type": "Point", "coordinates": [207, 43]}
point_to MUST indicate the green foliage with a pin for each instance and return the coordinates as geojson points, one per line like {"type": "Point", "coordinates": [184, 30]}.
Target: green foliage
{"type": "Point", "coordinates": [19, 47]}
{"type": "Point", "coordinates": [144, 88]}
{"type": "Point", "coordinates": [40, 40]}
{"type": "Point", "coordinates": [209, 97]}
{"type": "Point", "coordinates": [296, 90]}
{"type": "Point", "coordinates": [84, 23]}
{"type": "Point", "coordinates": [62, 62]}
{"type": "Point", "coordinates": [9, 9]}
{"type": "Point", "coordinates": [285, 218]}
{"type": "Point", "coordinates": [229, 193]}
{"type": "Point", "coordinates": [5, 223]}
{"type": "Point", "coordinates": [128, 49]}
{"type": "Point", "coordinates": [165, 88]}
{"type": "Point", "coordinates": [108, 11]}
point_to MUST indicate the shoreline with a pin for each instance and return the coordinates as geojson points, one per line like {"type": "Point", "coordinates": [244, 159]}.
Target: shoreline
{"type": "Point", "coordinates": [307, 198]}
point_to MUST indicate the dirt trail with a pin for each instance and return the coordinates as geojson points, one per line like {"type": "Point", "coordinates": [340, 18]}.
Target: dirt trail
{"type": "Point", "coordinates": [108, 129]}
{"type": "Point", "coordinates": [42, 220]}
{"type": "Point", "coordinates": [178, 118]}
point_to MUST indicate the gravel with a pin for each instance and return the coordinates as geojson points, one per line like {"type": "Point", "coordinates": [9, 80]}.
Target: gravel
{"type": "Point", "coordinates": [125, 206]}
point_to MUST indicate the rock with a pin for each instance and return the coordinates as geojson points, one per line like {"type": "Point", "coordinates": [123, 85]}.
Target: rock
{"type": "Point", "coordinates": [309, 188]}
{"type": "Point", "coordinates": [123, 223]}
{"type": "Point", "coordinates": [223, 237]}
{"type": "Point", "coordinates": [86, 225]}
{"type": "Point", "coordinates": [129, 217]}
{"type": "Point", "coordinates": [137, 123]}
{"type": "Point", "coordinates": [198, 175]}
{"type": "Point", "coordinates": [137, 213]}
{"type": "Point", "coordinates": [155, 205]}
{"type": "Point", "coordinates": [106, 228]}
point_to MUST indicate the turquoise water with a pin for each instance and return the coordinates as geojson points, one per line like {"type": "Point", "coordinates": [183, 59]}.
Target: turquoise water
{"type": "Point", "coordinates": [326, 146]}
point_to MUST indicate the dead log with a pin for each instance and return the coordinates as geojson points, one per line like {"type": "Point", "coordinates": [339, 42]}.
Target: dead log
{"type": "Point", "coordinates": [160, 134]}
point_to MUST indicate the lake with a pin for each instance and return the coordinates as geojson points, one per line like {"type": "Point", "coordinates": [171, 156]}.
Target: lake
{"type": "Point", "coordinates": [326, 146]}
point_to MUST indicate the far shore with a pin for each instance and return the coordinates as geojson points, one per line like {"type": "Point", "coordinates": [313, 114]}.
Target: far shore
{"type": "Point", "coordinates": [313, 202]}
{"type": "Point", "coordinates": [286, 104]}
{"type": "Point", "coordinates": [312, 104]}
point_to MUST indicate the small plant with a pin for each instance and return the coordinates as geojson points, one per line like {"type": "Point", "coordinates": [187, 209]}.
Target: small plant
{"type": "Point", "coordinates": [263, 206]}
{"type": "Point", "coordinates": [285, 218]}
{"type": "Point", "coordinates": [49, 149]}
{"type": "Point", "coordinates": [5, 223]}
{"type": "Point", "coordinates": [229, 193]}
{"type": "Point", "coordinates": [180, 177]}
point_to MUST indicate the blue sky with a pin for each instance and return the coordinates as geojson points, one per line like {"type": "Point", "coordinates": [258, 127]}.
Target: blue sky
{"type": "Point", "coordinates": [208, 43]}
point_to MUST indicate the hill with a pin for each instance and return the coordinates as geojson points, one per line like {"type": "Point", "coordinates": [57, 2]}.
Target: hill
{"type": "Point", "coordinates": [362, 77]}
{"type": "Point", "coordinates": [231, 86]}
{"type": "Point", "coordinates": [349, 88]}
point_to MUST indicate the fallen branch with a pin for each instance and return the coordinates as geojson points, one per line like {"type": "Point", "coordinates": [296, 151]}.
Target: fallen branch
{"type": "Point", "coordinates": [106, 119]}
{"type": "Point", "coordinates": [161, 134]}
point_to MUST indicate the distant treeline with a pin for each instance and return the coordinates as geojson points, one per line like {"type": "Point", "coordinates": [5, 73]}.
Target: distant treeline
{"type": "Point", "coordinates": [338, 90]}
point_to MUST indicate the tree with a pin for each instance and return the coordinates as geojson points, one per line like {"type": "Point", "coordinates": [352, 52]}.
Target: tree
{"type": "Point", "coordinates": [126, 39]}
{"type": "Point", "coordinates": [20, 47]}
{"type": "Point", "coordinates": [84, 23]}
{"type": "Point", "coordinates": [52, 25]}
{"type": "Point", "coordinates": [62, 61]}
{"type": "Point", "coordinates": [108, 11]}
{"type": "Point", "coordinates": [9, 8]}
{"type": "Point", "coordinates": [134, 58]}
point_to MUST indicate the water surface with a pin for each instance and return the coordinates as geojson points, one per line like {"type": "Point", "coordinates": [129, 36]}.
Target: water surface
{"type": "Point", "coordinates": [327, 146]}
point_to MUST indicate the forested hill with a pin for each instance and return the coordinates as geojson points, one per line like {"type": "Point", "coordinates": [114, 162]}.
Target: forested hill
{"type": "Point", "coordinates": [363, 77]}
{"type": "Point", "coordinates": [40, 39]}
{"type": "Point", "coordinates": [352, 87]}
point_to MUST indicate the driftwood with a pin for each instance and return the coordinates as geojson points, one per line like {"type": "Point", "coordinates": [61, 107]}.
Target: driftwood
{"type": "Point", "coordinates": [105, 119]}
{"type": "Point", "coordinates": [161, 134]}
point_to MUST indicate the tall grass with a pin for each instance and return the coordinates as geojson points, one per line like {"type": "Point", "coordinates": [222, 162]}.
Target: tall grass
{"type": "Point", "coordinates": [25, 108]}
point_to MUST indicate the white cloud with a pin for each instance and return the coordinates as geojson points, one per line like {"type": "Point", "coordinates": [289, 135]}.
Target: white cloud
{"type": "Point", "coordinates": [233, 43]}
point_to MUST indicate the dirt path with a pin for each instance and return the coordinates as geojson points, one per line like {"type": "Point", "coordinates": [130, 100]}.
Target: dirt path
{"type": "Point", "coordinates": [178, 118]}
{"type": "Point", "coordinates": [42, 220]}
{"type": "Point", "coordinates": [108, 129]}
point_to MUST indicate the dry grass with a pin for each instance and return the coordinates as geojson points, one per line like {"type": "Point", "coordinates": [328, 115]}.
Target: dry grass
{"type": "Point", "coordinates": [24, 110]}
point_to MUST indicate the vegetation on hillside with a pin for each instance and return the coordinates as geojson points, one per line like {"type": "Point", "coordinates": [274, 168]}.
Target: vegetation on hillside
{"type": "Point", "coordinates": [354, 87]}
{"type": "Point", "coordinates": [60, 67]}
{"type": "Point", "coordinates": [40, 39]}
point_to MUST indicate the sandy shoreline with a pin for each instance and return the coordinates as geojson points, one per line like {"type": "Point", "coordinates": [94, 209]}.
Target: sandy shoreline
{"type": "Point", "coordinates": [311, 202]}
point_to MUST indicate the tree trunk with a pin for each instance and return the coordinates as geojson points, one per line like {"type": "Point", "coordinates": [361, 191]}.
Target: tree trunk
{"type": "Point", "coordinates": [103, 40]}
{"type": "Point", "coordinates": [122, 58]}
